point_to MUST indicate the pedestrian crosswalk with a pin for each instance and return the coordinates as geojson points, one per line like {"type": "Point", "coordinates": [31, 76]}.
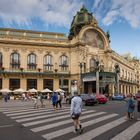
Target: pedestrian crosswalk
{"type": "Point", "coordinates": [57, 125]}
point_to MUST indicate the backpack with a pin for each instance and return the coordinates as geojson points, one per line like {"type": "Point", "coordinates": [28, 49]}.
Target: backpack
{"type": "Point", "coordinates": [61, 97]}
{"type": "Point", "coordinates": [132, 105]}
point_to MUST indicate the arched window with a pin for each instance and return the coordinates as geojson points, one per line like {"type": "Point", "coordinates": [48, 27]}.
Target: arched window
{"type": "Point", "coordinates": [31, 61]}
{"type": "Point", "coordinates": [15, 60]}
{"type": "Point", "coordinates": [92, 64]}
{"type": "Point", "coordinates": [63, 64]}
{"type": "Point", "coordinates": [1, 61]}
{"type": "Point", "coordinates": [48, 62]}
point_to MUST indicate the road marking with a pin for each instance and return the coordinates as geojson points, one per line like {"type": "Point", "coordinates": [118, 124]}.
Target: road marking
{"type": "Point", "coordinates": [37, 113]}
{"type": "Point", "coordinates": [61, 132]}
{"type": "Point", "coordinates": [16, 109]}
{"type": "Point", "coordinates": [25, 112]}
{"type": "Point", "coordinates": [9, 125]}
{"type": "Point", "coordinates": [51, 119]}
{"type": "Point", "coordinates": [46, 127]}
{"type": "Point", "coordinates": [99, 130]}
{"type": "Point", "coordinates": [129, 133]}
{"type": "Point", "coordinates": [20, 111]}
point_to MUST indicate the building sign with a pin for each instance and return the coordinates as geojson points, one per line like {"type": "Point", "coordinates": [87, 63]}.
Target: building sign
{"type": "Point", "coordinates": [89, 78]}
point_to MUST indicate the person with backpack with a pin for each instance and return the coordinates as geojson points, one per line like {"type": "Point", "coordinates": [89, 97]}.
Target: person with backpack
{"type": "Point", "coordinates": [54, 100]}
{"type": "Point", "coordinates": [130, 107]}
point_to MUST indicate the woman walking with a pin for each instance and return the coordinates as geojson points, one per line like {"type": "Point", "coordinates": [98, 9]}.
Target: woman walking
{"type": "Point", "coordinates": [130, 107]}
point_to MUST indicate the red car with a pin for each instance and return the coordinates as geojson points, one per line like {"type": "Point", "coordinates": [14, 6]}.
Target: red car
{"type": "Point", "coordinates": [101, 98]}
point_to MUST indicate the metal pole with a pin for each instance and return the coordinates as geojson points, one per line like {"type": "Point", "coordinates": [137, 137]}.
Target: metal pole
{"type": "Point", "coordinates": [97, 82]}
{"type": "Point", "coordinates": [118, 83]}
{"type": "Point", "coordinates": [81, 66]}
{"type": "Point", "coordinates": [62, 82]}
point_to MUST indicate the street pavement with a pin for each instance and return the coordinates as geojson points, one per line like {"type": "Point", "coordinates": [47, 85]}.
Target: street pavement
{"type": "Point", "coordinates": [20, 121]}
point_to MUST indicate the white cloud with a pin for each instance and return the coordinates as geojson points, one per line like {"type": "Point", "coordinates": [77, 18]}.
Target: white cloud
{"type": "Point", "coordinates": [22, 12]}
{"type": "Point", "coordinates": [111, 16]}
{"type": "Point", "coordinates": [126, 9]}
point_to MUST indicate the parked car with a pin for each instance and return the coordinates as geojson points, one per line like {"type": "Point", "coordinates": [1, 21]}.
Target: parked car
{"type": "Point", "coordinates": [90, 100]}
{"type": "Point", "coordinates": [118, 97]}
{"type": "Point", "coordinates": [101, 99]}
{"type": "Point", "coordinates": [84, 96]}
{"type": "Point", "coordinates": [137, 95]}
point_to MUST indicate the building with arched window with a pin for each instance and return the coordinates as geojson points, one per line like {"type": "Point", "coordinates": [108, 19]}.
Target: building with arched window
{"type": "Point", "coordinates": [82, 61]}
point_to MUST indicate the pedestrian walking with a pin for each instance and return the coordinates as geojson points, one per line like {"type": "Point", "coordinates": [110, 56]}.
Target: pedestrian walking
{"type": "Point", "coordinates": [138, 107]}
{"type": "Point", "coordinates": [75, 111]}
{"type": "Point", "coordinates": [130, 104]}
{"type": "Point", "coordinates": [35, 100]}
{"type": "Point", "coordinates": [59, 100]}
{"type": "Point", "coordinates": [54, 100]}
{"type": "Point", "coordinates": [42, 100]}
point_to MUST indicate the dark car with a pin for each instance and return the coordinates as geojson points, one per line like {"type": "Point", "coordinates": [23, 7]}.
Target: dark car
{"type": "Point", "coordinates": [90, 100]}
{"type": "Point", "coordinates": [101, 99]}
{"type": "Point", "coordinates": [137, 95]}
{"type": "Point", "coordinates": [84, 96]}
{"type": "Point", "coordinates": [118, 97]}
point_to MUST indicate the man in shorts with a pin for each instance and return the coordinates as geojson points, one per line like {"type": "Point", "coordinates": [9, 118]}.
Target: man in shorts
{"type": "Point", "coordinates": [75, 111]}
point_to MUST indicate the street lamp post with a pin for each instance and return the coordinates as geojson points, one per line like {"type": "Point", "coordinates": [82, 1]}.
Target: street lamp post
{"type": "Point", "coordinates": [97, 76]}
{"type": "Point", "coordinates": [117, 70]}
{"type": "Point", "coordinates": [81, 66]}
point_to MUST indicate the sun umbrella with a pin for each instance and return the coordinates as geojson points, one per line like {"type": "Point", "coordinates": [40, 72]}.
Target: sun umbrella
{"type": "Point", "coordinates": [33, 90]}
{"type": "Point", "coordinates": [59, 90]}
{"type": "Point", "coordinates": [20, 90]}
{"type": "Point", "coordinates": [46, 90]}
{"type": "Point", "coordinates": [5, 90]}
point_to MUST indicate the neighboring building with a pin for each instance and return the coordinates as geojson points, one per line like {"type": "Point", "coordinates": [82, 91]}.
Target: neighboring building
{"type": "Point", "coordinates": [31, 59]}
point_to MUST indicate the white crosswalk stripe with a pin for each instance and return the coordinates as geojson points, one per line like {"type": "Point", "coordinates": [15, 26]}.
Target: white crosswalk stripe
{"type": "Point", "coordinates": [47, 121]}
{"type": "Point", "coordinates": [95, 132]}
{"type": "Point", "coordinates": [70, 129]}
{"type": "Point", "coordinates": [129, 133]}
{"type": "Point", "coordinates": [51, 119]}
{"type": "Point", "coordinates": [62, 122]}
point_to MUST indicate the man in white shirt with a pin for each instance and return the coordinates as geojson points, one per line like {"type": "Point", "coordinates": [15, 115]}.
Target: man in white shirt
{"type": "Point", "coordinates": [75, 111]}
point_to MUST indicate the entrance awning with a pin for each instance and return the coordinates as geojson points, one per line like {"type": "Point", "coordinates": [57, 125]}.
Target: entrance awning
{"type": "Point", "coordinates": [89, 78]}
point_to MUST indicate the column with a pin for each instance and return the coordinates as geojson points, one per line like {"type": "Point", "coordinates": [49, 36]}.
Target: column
{"type": "Point", "coordinates": [97, 82]}
{"type": "Point", "coordinates": [5, 83]}
{"type": "Point", "coordinates": [56, 84]}
{"type": "Point", "coordinates": [23, 83]}
{"type": "Point", "coordinates": [39, 84]}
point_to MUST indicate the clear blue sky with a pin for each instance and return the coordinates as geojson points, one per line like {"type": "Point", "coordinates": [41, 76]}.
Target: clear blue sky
{"type": "Point", "coordinates": [120, 17]}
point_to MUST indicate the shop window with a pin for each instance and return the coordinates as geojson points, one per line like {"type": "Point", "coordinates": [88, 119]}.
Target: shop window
{"type": "Point", "coordinates": [64, 84]}
{"type": "Point", "coordinates": [14, 84]}
{"type": "Point", "coordinates": [48, 83]}
{"type": "Point", "coordinates": [31, 83]}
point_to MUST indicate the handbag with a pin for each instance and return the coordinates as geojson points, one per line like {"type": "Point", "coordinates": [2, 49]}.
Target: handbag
{"type": "Point", "coordinates": [73, 116]}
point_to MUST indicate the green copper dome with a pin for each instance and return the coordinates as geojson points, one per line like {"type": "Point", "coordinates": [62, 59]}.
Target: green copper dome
{"type": "Point", "coordinates": [82, 18]}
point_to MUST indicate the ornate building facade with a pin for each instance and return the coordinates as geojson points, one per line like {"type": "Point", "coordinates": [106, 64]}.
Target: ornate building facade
{"type": "Point", "coordinates": [82, 61]}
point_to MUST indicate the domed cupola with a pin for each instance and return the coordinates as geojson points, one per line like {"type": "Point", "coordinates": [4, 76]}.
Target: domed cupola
{"type": "Point", "coordinates": [82, 18]}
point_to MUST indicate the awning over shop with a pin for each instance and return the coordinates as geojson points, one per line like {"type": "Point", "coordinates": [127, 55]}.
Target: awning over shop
{"type": "Point", "coordinates": [89, 78]}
